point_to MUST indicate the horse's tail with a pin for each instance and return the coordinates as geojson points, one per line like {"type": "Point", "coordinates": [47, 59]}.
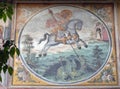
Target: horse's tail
{"type": "Point", "coordinates": [45, 37]}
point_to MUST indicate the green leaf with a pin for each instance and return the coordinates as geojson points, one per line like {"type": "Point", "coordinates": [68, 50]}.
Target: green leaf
{"type": "Point", "coordinates": [5, 56]}
{"type": "Point", "coordinates": [9, 12]}
{"type": "Point", "coordinates": [4, 17]}
{"type": "Point", "coordinates": [5, 68]}
{"type": "Point", "coordinates": [1, 15]}
{"type": "Point", "coordinates": [17, 51]}
{"type": "Point", "coordinates": [10, 9]}
{"type": "Point", "coordinates": [1, 63]}
{"type": "Point", "coordinates": [7, 44]}
{"type": "Point", "coordinates": [0, 78]}
{"type": "Point", "coordinates": [0, 69]}
{"type": "Point", "coordinates": [6, 48]}
{"type": "Point", "coordinates": [9, 15]}
{"type": "Point", "coordinates": [10, 70]}
{"type": "Point", "coordinates": [12, 52]}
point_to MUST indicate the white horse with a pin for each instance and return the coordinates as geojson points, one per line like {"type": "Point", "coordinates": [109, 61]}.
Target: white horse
{"type": "Point", "coordinates": [70, 29]}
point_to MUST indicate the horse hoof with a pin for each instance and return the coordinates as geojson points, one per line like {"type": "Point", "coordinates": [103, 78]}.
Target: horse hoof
{"type": "Point", "coordinates": [44, 54]}
{"type": "Point", "coordinates": [79, 47]}
{"type": "Point", "coordinates": [86, 46]}
{"type": "Point", "coordinates": [40, 55]}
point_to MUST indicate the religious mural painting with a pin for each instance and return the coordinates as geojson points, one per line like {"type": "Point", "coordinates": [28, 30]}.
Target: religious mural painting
{"type": "Point", "coordinates": [65, 45]}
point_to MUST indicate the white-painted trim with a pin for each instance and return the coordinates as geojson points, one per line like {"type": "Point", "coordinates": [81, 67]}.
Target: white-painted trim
{"type": "Point", "coordinates": [117, 39]}
{"type": "Point", "coordinates": [66, 87]}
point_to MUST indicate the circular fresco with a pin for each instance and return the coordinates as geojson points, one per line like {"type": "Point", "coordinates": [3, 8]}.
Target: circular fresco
{"type": "Point", "coordinates": [65, 44]}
